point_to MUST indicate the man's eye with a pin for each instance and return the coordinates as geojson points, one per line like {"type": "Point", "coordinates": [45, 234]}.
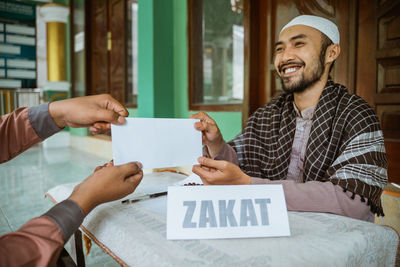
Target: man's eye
{"type": "Point", "coordinates": [299, 44]}
{"type": "Point", "coordinates": [278, 49]}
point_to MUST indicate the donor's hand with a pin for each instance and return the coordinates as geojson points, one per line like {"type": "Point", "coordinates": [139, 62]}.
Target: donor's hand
{"type": "Point", "coordinates": [106, 184]}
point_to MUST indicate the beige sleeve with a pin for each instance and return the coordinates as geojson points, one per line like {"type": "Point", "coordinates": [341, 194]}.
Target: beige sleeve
{"type": "Point", "coordinates": [321, 197]}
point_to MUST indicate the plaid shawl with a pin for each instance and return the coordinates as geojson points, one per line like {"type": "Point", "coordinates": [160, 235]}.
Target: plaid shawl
{"type": "Point", "coordinates": [345, 146]}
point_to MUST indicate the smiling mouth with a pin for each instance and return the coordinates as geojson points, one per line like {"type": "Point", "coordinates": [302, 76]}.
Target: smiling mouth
{"type": "Point", "coordinates": [289, 69]}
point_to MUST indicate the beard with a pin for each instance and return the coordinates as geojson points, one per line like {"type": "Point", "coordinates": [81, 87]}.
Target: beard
{"type": "Point", "coordinates": [304, 82]}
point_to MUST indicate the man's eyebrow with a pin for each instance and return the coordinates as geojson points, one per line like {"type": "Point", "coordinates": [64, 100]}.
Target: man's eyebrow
{"type": "Point", "coordinates": [299, 36]}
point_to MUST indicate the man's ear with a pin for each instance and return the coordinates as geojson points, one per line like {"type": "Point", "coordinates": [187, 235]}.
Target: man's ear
{"type": "Point", "coordinates": [332, 53]}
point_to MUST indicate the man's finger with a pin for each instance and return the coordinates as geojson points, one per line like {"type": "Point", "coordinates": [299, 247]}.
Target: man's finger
{"type": "Point", "coordinates": [107, 116]}
{"type": "Point", "coordinates": [205, 168]}
{"type": "Point", "coordinates": [98, 168]}
{"type": "Point", "coordinates": [212, 170]}
{"type": "Point", "coordinates": [205, 176]}
{"type": "Point", "coordinates": [129, 169]}
{"type": "Point", "coordinates": [111, 163]}
{"type": "Point", "coordinates": [100, 125]}
{"type": "Point", "coordinates": [97, 129]}
{"type": "Point", "coordinates": [212, 163]}
{"type": "Point", "coordinates": [121, 120]}
{"type": "Point", "coordinates": [199, 115]}
{"type": "Point", "coordinates": [135, 179]}
{"type": "Point", "coordinates": [114, 105]}
{"type": "Point", "coordinates": [199, 126]}
{"type": "Point", "coordinates": [101, 128]}
{"type": "Point", "coordinates": [206, 123]}
{"type": "Point", "coordinates": [202, 116]}
{"type": "Point", "coordinates": [93, 130]}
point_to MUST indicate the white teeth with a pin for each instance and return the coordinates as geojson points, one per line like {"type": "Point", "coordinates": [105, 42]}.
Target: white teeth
{"type": "Point", "coordinates": [289, 70]}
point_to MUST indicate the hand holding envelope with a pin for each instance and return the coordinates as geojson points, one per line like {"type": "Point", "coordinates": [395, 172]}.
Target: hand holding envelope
{"type": "Point", "coordinates": [156, 143]}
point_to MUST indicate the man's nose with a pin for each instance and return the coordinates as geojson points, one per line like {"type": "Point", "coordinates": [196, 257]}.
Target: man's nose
{"type": "Point", "coordinates": [287, 55]}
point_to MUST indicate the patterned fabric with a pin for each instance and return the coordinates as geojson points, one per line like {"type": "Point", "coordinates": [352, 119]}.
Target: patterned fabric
{"type": "Point", "coordinates": [345, 146]}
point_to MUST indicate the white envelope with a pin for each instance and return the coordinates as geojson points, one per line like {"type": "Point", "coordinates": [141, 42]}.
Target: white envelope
{"type": "Point", "coordinates": [156, 143]}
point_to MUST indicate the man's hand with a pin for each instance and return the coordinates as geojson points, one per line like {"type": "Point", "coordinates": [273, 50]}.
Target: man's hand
{"type": "Point", "coordinates": [107, 183]}
{"type": "Point", "coordinates": [220, 172]}
{"type": "Point", "coordinates": [96, 112]}
{"type": "Point", "coordinates": [211, 135]}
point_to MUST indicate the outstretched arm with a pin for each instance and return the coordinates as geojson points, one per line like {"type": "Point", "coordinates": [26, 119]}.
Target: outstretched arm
{"type": "Point", "coordinates": [25, 127]}
{"type": "Point", "coordinates": [96, 112]}
{"type": "Point", "coordinates": [311, 196]}
{"type": "Point", "coordinates": [39, 241]}
{"type": "Point", "coordinates": [317, 196]}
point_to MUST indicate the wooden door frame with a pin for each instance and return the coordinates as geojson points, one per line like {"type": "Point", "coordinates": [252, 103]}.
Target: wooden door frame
{"type": "Point", "coordinates": [371, 58]}
{"type": "Point", "coordinates": [256, 20]}
{"type": "Point", "coordinates": [88, 58]}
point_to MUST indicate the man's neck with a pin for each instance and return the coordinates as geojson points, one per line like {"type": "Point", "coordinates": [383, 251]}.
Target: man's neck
{"type": "Point", "coordinates": [310, 96]}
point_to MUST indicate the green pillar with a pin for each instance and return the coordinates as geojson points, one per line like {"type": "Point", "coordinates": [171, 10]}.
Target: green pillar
{"type": "Point", "coordinates": [155, 81]}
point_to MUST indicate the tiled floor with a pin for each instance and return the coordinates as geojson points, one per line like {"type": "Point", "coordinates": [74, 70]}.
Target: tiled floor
{"type": "Point", "coordinates": [25, 179]}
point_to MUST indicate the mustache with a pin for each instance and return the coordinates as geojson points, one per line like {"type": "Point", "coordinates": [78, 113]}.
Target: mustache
{"type": "Point", "coordinates": [281, 66]}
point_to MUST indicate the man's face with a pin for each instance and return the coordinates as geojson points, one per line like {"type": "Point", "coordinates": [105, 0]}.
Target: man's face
{"type": "Point", "coordinates": [298, 58]}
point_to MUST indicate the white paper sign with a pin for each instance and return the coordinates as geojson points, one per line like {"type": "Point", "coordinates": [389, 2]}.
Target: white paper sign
{"type": "Point", "coordinates": [231, 211]}
{"type": "Point", "coordinates": [156, 143]}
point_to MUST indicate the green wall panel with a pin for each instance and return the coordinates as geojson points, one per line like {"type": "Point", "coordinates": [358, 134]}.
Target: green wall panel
{"type": "Point", "coordinates": [155, 82]}
{"type": "Point", "coordinates": [78, 131]}
{"type": "Point", "coordinates": [229, 123]}
{"type": "Point", "coordinates": [145, 59]}
{"type": "Point", "coordinates": [133, 112]}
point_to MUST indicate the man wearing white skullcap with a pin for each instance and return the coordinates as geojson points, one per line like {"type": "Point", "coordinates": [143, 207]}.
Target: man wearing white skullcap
{"type": "Point", "coordinates": [325, 26]}
{"type": "Point", "coordinates": [324, 145]}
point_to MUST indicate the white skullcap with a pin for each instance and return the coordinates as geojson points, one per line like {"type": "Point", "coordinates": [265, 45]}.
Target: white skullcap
{"type": "Point", "coordinates": [325, 26]}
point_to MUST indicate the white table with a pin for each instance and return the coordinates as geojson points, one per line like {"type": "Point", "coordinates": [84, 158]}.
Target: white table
{"type": "Point", "coordinates": [135, 234]}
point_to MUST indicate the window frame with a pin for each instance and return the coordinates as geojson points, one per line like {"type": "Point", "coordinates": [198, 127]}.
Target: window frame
{"type": "Point", "coordinates": [195, 60]}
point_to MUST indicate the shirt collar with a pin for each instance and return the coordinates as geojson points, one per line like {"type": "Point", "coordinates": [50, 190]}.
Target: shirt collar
{"type": "Point", "coordinates": [306, 114]}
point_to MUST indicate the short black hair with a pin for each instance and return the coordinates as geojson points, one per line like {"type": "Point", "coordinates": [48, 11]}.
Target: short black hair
{"type": "Point", "coordinates": [326, 42]}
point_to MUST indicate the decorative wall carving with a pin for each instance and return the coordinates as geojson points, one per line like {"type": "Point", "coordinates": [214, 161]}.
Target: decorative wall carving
{"type": "Point", "coordinates": [388, 76]}
{"type": "Point", "coordinates": [325, 8]}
